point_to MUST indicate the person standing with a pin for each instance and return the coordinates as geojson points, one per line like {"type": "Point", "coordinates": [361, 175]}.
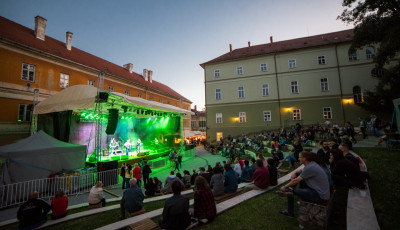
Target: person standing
{"type": "Point", "coordinates": [128, 175]}
{"type": "Point", "coordinates": [137, 175]}
{"type": "Point", "coordinates": [179, 161]}
{"type": "Point", "coordinates": [363, 127]}
{"type": "Point", "coordinates": [128, 146]}
{"type": "Point", "coordinates": [122, 174]}
{"type": "Point", "coordinates": [33, 213]}
{"type": "Point", "coordinates": [146, 172]}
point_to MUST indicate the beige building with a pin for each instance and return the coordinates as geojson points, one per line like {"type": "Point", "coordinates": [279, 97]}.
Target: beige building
{"type": "Point", "coordinates": [306, 80]}
{"type": "Point", "coordinates": [198, 120]}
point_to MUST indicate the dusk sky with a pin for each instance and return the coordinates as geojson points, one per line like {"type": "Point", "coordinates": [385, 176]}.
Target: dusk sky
{"type": "Point", "coordinates": [173, 37]}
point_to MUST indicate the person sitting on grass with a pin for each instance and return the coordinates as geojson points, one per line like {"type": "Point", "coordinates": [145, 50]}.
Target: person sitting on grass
{"type": "Point", "coordinates": [231, 180]}
{"type": "Point", "coordinates": [344, 172]}
{"type": "Point", "coordinates": [346, 153]}
{"type": "Point", "coordinates": [247, 172]}
{"type": "Point", "coordinates": [193, 177]}
{"type": "Point", "coordinates": [238, 168]}
{"type": "Point", "coordinates": [150, 187]}
{"type": "Point", "coordinates": [314, 184]}
{"type": "Point", "coordinates": [33, 212]}
{"type": "Point", "coordinates": [59, 205]}
{"type": "Point", "coordinates": [297, 149]}
{"type": "Point", "coordinates": [175, 214]}
{"type": "Point", "coordinates": [132, 199]}
{"type": "Point", "coordinates": [158, 184]}
{"type": "Point", "coordinates": [168, 183]}
{"type": "Point", "coordinates": [205, 174]}
{"type": "Point", "coordinates": [217, 182]}
{"type": "Point", "coordinates": [325, 152]}
{"type": "Point", "coordinates": [186, 179]}
{"type": "Point", "coordinates": [260, 177]}
{"type": "Point", "coordinates": [273, 172]}
{"type": "Point", "coordinates": [204, 203]}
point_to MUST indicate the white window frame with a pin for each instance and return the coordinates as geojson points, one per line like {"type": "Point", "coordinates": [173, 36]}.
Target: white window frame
{"type": "Point", "coordinates": [263, 67]}
{"type": "Point", "coordinates": [193, 124]}
{"type": "Point", "coordinates": [265, 90]}
{"type": "Point", "coordinates": [240, 92]}
{"type": "Point", "coordinates": [294, 88]}
{"type": "Point", "coordinates": [324, 84]}
{"type": "Point", "coordinates": [322, 60]}
{"type": "Point", "coordinates": [242, 117]}
{"type": "Point", "coordinates": [296, 114]}
{"type": "Point", "coordinates": [217, 94]}
{"type": "Point", "coordinates": [90, 82]}
{"type": "Point", "coordinates": [292, 63]}
{"type": "Point", "coordinates": [110, 88]}
{"type": "Point", "coordinates": [239, 70]}
{"type": "Point", "coordinates": [267, 115]}
{"type": "Point", "coordinates": [25, 114]}
{"type": "Point", "coordinates": [202, 124]}
{"type": "Point", "coordinates": [217, 73]}
{"type": "Point", "coordinates": [357, 96]}
{"type": "Point", "coordinates": [370, 52]}
{"type": "Point", "coordinates": [127, 92]}
{"type": "Point", "coordinates": [64, 80]}
{"type": "Point", "coordinates": [218, 118]}
{"type": "Point", "coordinates": [219, 135]}
{"type": "Point", "coordinates": [28, 72]}
{"type": "Point", "coordinates": [327, 113]}
{"type": "Point", "coordinates": [353, 56]}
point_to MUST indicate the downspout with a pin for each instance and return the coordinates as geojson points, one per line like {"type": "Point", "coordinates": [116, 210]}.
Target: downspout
{"type": "Point", "coordinates": [277, 87]}
{"type": "Point", "coordinates": [340, 84]}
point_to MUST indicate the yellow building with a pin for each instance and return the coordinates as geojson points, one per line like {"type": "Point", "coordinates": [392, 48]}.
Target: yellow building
{"type": "Point", "coordinates": [34, 66]}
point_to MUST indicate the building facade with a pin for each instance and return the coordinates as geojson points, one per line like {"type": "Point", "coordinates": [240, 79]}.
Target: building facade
{"type": "Point", "coordinates": [34, 66]}
{"type": "Point", "coordinates": [198, 121]}
{"type": "Point", "coordinates": [306, 80]}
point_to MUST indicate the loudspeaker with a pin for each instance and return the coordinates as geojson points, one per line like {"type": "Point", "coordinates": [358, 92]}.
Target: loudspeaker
{"type": "Point", "coordinates": [108, 179]}
{"type": "Point", "coordinates": [112, 121]}
{"type": "Point", "coordinates": [105, 166]}
{"type": "Point", "coordinates": [103, 97]}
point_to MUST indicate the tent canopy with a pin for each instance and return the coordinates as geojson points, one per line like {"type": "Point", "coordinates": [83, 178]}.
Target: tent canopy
{"type": "Point", "coordinates": [38, 156]}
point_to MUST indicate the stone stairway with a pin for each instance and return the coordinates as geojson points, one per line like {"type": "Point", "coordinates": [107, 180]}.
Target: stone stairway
{"type": "Point", "coordinates": [370, 141]}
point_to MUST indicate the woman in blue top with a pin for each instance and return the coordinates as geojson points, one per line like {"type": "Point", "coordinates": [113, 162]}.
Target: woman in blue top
{"type": "Point", "coordinates": [231, 180]}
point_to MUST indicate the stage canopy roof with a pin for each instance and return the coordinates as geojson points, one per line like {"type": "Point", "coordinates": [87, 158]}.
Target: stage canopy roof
{"type": "Point", "coordinates": [80, 97]}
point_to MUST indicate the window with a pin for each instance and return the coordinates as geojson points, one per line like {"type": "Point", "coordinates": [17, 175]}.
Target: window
{"type": "Point", "coordinates": [327, 112]}
{"type": "Point", "coordinates": [202, 124]}
{"type": "Point", "coordinates": [24, 112]}
{"type": "Point", "coordinates": [294, 87]}
{"type": "Point", "coordinates": [242, 117]}
{"type": "Point", "coordinates": [216, 73]}
{"type": "Point", "coordinates": [64, 80]}
{"type": "Point", "coordinates": [90, 82]}
{"type": "Point", "coordinates": [110, 88]}
{"type": "Point", "coordinates": [127, 92]}
{"type": "Point", "coordinates": [241, 91]}
{"type": "Point", "coordinates": [217, 94]}
{"type": "Point", "coordinates": [193, 124]}
{"type": "Point", "coordinates": [263, 67]}
{"type": "Point", "coordinates": [352, 56]}
{"type": "Point", "coordinates": [377, 72]}
{"type": "Point", "coordinates": [370, 52]}
{"type": "Point", "coordinates": [151, 98]}
{"type": "Point", "coordinates": [218, 118]}
{"type": "Point", "coordinates": [357, 95]}
{"type": "Point", "coordinates": [160, 100]}
{"type": "Point", "coordinates": [321, 60]}
{"type": "Point", "coordinates": [168, 102]}
{"type": "Point", "coordinates": [292, 63]}
{"type": "Point", "coordinates": [324, 84]}
{"type": "Point", "coordinates": [28, 72]}
{"type": "Point", "coordinates": [139, 95]}
{"type": "Point", "coordinates": [296, 114]}
{"type": "Point", "coordinates": [239, 70]}
{"type": "Point", "coordinates": [267, 115]}
{"type": "Point", "coordinates": [265, 90]}
{"type": "Point", "coordinates": [219, 136]}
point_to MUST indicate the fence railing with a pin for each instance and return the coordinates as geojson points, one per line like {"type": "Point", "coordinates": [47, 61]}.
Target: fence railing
{"type": "Point", "coordinates": [17, 193]}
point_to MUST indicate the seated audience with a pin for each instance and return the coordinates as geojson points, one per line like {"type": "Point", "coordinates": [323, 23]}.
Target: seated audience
{"type": "Point", "coordinates": [158, 184]}
{"type": "Point", "coordinates": [253, 164]}
{"type": "Point", "coordinates": [205, 174]}
{"type": "Point", "coordinates": [231, 180]}
{"type": "Point", "coordinates": [193, 177]}
{"type": "Point", "coordinates": [150, 187]}
{"type": "Point", "coordinates": [217, 182]}
{"type": "Point", "coordinates": [344, 172]}
{"type": "Point", "coordinates": [325, 152]}
{"type": "Point", "coordinates": [247, 172]}
{"type": "Point", "coordinates": [273, 172]}
{"type": "Point", "coordinates": [59, 205]}
{"type": "Point", "coordinates": [132, 199]}
{"type": "Point", "coordinates": [260, 156]}
{"type": "Point", "coordinates": [314, 184]}
{"type": "Point", "coordinates": [175, 214]}
{"type": "Point", "coordinates": [33, 212]}
{"type": "Point", "coordinates": [186, 179]}
{"type": "Point", "coordinates": [204, 204]}
{"type": "Point", "coordinates": [346, 153]}
{"type": "Point", "coordinates": [238, 168]}
{"type": "Point", "coordinates": [260, 177]}
{"type": "Point", "coordinates": [168, 183]}
{"type": "Point", "coordinates": [96, 196]}
{"type": "Point", "coordinates": [297, 149]}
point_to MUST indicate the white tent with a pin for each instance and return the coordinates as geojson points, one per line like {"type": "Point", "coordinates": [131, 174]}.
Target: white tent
{"type": "Point", "coordinates": [38, 156]}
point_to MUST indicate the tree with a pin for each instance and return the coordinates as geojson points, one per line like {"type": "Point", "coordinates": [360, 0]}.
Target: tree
{"type": "Point", "coordinates": [377, 22]}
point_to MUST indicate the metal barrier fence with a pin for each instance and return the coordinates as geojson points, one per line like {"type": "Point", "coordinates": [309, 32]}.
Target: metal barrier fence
{"type": "Point", "coordinates": [17, 193]}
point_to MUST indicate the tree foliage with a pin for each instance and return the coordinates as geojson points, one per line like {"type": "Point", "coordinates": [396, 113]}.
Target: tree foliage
{"type": "Point", "coordinates": [377, 22]}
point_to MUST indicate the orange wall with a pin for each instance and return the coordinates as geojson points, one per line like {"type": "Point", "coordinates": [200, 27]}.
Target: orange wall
{"type": "Point", "coordinates": [9, 109]}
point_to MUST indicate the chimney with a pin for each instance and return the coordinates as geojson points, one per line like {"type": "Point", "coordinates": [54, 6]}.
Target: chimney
{"type": "Point", "coordinates": [230, 48]}
{"type": "Point", "coordinates": [145, 76]}
{"type": "Point", "coordinates": [271, 40]}
{"type": "Point", "coordinates": [68, 40]}
{"type": "Point", "coordinates": [129, 67]}
{"type": "Point", "coordinates": [40, 27]}
{"type": "Point", "coordinates": [150, 74]}
{"type": "Point", "coordinates": [248, 44]}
